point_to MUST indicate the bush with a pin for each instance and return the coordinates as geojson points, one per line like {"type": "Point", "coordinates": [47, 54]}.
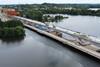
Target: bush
{"type": "Point", "coordinates": [19, 31]}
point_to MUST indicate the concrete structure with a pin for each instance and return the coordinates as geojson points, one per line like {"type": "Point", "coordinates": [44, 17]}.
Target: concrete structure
{"type": "Point", "coordinates": [89, 49]}
{"type": "Point", "coordinates": [69, 43]}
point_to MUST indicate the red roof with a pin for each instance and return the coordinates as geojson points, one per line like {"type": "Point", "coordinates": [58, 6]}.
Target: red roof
{"type": "Point", "coordinates": [11, 12]}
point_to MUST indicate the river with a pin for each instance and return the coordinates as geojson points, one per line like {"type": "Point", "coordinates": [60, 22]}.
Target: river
{"type": "Point", "coordinates": [39, 51]}
{"type": "Point", "coordinates": [85, 24]}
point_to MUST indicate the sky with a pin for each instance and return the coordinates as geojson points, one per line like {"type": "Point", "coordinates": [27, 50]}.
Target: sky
{"type": "Point", "coordinates": [47, 1]}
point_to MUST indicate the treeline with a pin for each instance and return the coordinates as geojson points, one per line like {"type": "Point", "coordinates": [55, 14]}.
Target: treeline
{"type": "Point", "coordinates": [72, 5]}
{"type": "Point", "coordinates": [37, 14]}
{"type": "Point", "coordinates": [71, 11]}
{"type": "Point", "coordinates": [46, 5]}
{"type": "Point", "coordinates": [11, 29]}
{"type": "Point", "coordinates": [36, 11]}
{"type": "Point", "coordinates": [33, 14]}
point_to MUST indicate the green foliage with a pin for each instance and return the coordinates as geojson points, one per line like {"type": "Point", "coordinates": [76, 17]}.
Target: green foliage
{"type": "Point", "coordinates": [34, 14]}
{"type": "Point", "coordinates": [19, 31]}
{"type": "Point", "coordinates": [37, 13]}
{"type": "Point", "coordinates": [59, 17]}
{"type": "Point", "coordinates": [1, 24]}
{"type": "Point", "coordinates": [48, 18]}
{"type": "Point", "coordinates": [11, 29]}
{"type": "Point", "coordinates": [12, 23]}
{"type": "Point", "coordinates": [71, 11]}
{"type": "Point", "coordinates": [47, 5]}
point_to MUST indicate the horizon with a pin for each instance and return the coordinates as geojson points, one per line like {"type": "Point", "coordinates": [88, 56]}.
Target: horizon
{"type": "Point", "coordinates": [47, 3]}
{"type": "Point", "coordinates": [10, 2]}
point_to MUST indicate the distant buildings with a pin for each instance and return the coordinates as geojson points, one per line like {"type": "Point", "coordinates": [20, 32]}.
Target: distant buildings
{"type": "Point", "coordinates": [0, 9]}
{"type": "Point", "coordinates": [10, 12]}
{"type": "Point", "coordinates": [6, 12]}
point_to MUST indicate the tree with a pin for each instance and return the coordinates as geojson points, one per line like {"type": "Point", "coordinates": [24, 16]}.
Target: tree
{"type": "Point", "coordinates": [12, 29]}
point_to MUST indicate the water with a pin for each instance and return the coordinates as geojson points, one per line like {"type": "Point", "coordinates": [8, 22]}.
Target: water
{"type": "Point", "coordinates": [94, 9]}
{"type": "Point", "coordinates": [38, 51]}
{"type": "Point", "coordinates": [88, 9]}
{"type": "Point", "coordinates": [86, 24]}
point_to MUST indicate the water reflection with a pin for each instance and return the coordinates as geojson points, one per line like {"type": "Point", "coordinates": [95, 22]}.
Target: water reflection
{"type": "Point", "coordinates": [12, 40]}
{"type": "Point", "coordinates": [38, 51]}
